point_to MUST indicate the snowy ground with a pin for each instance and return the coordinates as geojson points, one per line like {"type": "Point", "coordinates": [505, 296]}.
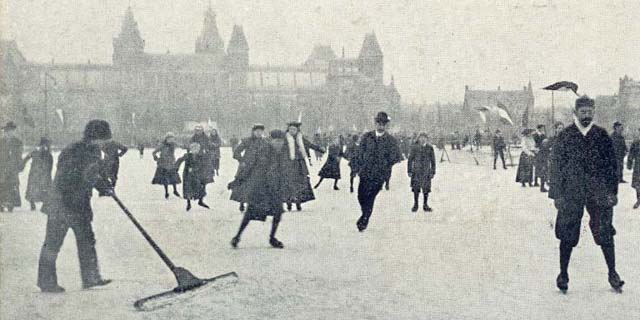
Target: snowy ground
{"type": "Point", "coordinates": [486, 252]}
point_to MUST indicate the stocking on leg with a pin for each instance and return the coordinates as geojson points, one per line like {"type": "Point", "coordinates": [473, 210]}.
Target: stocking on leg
{"type": "Point", "coordinates": [335, 184]}
{"type": "Point", "coordinates": [425, 205]}
{"type": "Point", "coordinates": [272, 236]}
{"type": "Point", "coordinates": [416, 196]}
{"type": "Point", "coordinates": [351, 184]}
{"type": "Point", "coordinates": [610, 257]}
{"type": "Point", "coordinates": [243, 225]}
{"type": "Point", "coordinates": [637, 205]}
{"type": "Point", "coordinates": [565, 255]}
{"type": "Point", "coordinates": [166, 191]}
{"type": "Point", "coordinates": [175, 191]}
{"type": "Point", "coordinates": [318, 184]}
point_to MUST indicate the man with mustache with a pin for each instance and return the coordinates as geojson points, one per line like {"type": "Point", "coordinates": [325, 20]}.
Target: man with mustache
{"type": "Point", "coordinates": [584, 174]}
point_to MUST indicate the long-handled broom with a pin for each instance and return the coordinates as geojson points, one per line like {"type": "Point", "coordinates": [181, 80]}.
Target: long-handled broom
{"type": "Point", "coordinates": [186, 280]}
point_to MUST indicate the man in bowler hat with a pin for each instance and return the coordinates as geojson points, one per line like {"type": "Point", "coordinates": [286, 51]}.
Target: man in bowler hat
{"type": "Point", "coordinates": [379, 151]}
{"type": "Point", "coordinates": [69, 207]}
{"type": "Point", "coordinates": [584, 175]}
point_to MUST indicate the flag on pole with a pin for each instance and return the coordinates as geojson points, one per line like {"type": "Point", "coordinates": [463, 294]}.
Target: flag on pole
{"type": "Point", "coordinates": [483, 113]}
{"type": "Point", "coordinates": [504, 114]}
{"type": "Point", "coordinates": [563, 86]}
{"type": "Point", "coordinates": [60, 114]}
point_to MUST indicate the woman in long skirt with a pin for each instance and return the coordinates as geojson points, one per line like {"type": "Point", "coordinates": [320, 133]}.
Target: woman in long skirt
{"type": "Point", "coordinates": [331, 168]}
{"type": "Point", "coordinates": [193, 175]}
{"type": "Point", "coordinates": [216, 142]}
{"type": "Point", "coordinates": [525, 166]}
{"type": "Point", "coordinates": [166, 172]}
{"type": "Point", "coordinates": [266, 181]}
{"type": "Point", "coordinates": [633, 163]}
{"type": "Point", "coordinates": [39, 182]}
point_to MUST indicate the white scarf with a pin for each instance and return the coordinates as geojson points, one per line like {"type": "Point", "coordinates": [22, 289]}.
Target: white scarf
{"type": "Point", "coordinates": [292, 146]}
{"type": "Point", "coordinates": [584, 130]}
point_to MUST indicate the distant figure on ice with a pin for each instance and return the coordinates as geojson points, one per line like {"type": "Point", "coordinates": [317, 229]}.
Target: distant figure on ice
{"type": "Point", "coordinates": [379, 151]}
{"type": "Point", "coordinates": [331, 168]}
{"type": "Point", "coordinates": [113, 151]}
{"type": "Point", "coordinates": [166, 172]}
{"type": "Point", "coordinates": [141, 149]}
{"type": "Point", "coordinates": [68, 206]}
{"type": "Point", "coordinates": [421, 167]}
{"type": "Point", "coordinates": [584, 174]}
{"type": "Point", "coordinates": [557, 128]}
{"type": "Point", "coordinates": [10, 167]}
{"type": "Point", "coordinates": [525, 166]}
{"type": "Point", "coordinates": [477, 139]}
{"type": "Point", "coordinates": [296, 174]}
{"type": "Point", "coordinates": [216, 142]}
{"type": "Point", "coordinates": [39, 183]}
{"type": "Point", "coordinates": [633, 163]}
{"type": "Point", "coordinates": [193, 175]}
{"type": "Point", "coordinates": [201, 138]}
{"type": "Point", "coordinates": [262, 178]}
{"type": "Point", "coordinates": [351, 154]}
{"type": "Point", "coordinates": [620, 147]}
{"type": "Point", "coordinates": [240, 192]}
{"type": "Point", "coordinates": [498, 149]}
{"type": "Point", "coordinates": [317, 140]}
{"type": "Point", "coordinates": [539, 162]}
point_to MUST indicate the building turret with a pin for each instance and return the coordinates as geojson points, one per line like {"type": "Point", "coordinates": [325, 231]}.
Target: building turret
{"type": "Point", "coordinates": [128, 47]}
{"type": "Point", "coordinates": [238, 57]}
{"type": "Point", "coordinates": [209, 40]}
{"type": "Point", "coordinates": [371, 58]}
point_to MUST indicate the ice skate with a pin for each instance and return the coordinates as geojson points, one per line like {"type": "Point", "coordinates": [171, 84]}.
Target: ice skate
{"type": "Point", "coordinates": [175, 193]}
{"type": "Point", "coordinates": [97, 283]}
{"type": "Point", "coordinates": [52, 289]}
{"type": "Point", "coordinates": [414, 208]}
{"type": "Point", "coordinates": [276, 243]}
{"type": "Point", "coordinates": [202, 204]}
{"type": "Point", "coordinates": [188, 205]}
{"type": "Point", "coordinates": [426, 208]}
{"type": "Point", "coordinates": [615, 282]}
{"type": "Point", "coordinates": [234, 242]}
{"type": "Point", "coordinates": [563, 282]}
{"type": "Point", "coordinates": [637, 205]}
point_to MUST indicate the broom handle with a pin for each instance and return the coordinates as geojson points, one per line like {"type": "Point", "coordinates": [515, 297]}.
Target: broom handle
{"type": "Point", "coordinates": [153, 244]}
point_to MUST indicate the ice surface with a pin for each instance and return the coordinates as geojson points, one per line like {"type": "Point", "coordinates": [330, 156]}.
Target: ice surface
{"type": "Point", "coordinates": [486, 252]}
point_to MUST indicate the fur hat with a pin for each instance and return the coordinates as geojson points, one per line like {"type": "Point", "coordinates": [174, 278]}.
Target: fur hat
{"type": "Point", "coordinates": [296, 124]}
{"type": "Point", "coordinates": [584, 101]}
{"type": "Point", "coordinates": [97, 130]}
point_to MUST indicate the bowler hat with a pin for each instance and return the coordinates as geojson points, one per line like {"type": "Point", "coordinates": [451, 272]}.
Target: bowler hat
{"type": "Point", "coordinates": [277, 134]}
{"type": "Point", "coordinates": [257, 126]}
{"type": "Point", "coordinates": [584, 101]}
{"type": "Point", "coordinates": [44, 141]}
{"type": "Point", "coordinates": [10, 126]}
{"type": "Point", "coordinates": [382, 117]}
{"type": "Point", "coordinates": [97, 130]}
{"type": "Point", "coordinates": [296, 124]}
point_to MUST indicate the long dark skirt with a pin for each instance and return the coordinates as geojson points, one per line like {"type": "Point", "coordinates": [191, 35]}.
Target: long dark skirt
{"type": "Point", "coordinates": [331, 168]}
{"type": "Point", "coordinates": [297, 185]}
{"type": "Point", "coordinates": [193, 187]}
{"type": "Point", "coordinates": [166, 176]}
{"type": "Point", "coordinates": [525, 169]}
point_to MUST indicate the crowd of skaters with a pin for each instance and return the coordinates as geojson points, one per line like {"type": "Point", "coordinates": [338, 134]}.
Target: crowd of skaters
{"type": "Point", "coordinates": [273, 173]}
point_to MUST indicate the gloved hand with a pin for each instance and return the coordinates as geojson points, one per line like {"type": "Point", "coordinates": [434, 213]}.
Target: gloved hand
{"type": "Point", "coordinates": [559, 203]}
{"type": "Point", "coordinates": [612, 200]}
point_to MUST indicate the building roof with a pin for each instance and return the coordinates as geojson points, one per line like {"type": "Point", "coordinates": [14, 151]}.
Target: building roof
{"type": "Point", "coordinates": [516, 101]}
{"type": "Point", "coordinates": [185, 62]}
{"type": "Point", "coordinates": [322, 54]}
{"type": "Point", "coordinates": [370, 46]}
{"type": "Point", "coordinates": [238, 41]}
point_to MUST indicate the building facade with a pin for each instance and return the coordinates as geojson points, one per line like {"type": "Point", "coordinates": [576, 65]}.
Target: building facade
{"type": "Point", "coordinates": [147, 94]}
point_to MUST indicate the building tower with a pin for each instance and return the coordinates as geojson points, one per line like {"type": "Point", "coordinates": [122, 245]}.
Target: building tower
{"type": "Point", "coordinates": [209, 40]}
{"type": "Point", "coordinates": [238, 58]}
{"type": "Point", "coordinates": [128, 47]}
{"type": "Point", "coordinates": [371, 58]}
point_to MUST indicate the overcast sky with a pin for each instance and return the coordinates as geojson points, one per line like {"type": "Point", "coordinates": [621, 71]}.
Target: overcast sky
{"type": "Point", "coordinates": [433, 48]}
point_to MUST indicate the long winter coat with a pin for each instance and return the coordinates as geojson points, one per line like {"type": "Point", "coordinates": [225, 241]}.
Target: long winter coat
{"type": "Point", "coordinates": [112, 152]}
{"type": "Point", "coordinates": [295, 171]}
{"type": "Point", "coordinates": [527, 158]}
{"type": "Point", "coordinates": [421, 166]}
{"type": "Point", "coordinates": [331, 168]}
{"type": "Point", "coordinates": [583, 167]}
{"type": "Point", "coordinates": [633, 163]}
{"type": "Point", "coordinates": [10, 167]}
{"type": "Point", "coordinates": [216, 142]}
{"type": "Point", "coordinates": [193, 176]}
{"type": "Point", "coordinates": [351, 154]}
{"type": "Point", "coordinates": [78, 172]}
{"type": "Point", "coordinates": [246, 152]}
{"type": "Point", "coordinates": [377, 156]}
{"type": "Point", "coordinates": [39, 183]}
{"type": "Point", "coordinates": [166, 171]}
{"type": "Point", "coordinates": [207, 153]}
{"type": "Point", "coordinates": [262, 177]}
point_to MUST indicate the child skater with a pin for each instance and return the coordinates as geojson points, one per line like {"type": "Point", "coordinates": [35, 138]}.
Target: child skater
{"type": "Point", "coordinates": [421, 168]}
{"type": "Point", "coordinates": [265, 180]}
{"type": "Point", "coordinates": [331, 168]}
{"type": "Point", "coordinates": [166, 172]}
{"type": "Point", "coordinates": [193, 176]}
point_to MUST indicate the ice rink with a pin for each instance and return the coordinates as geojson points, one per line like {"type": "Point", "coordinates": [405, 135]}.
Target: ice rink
{"type": "Point", "coordinates": [487, 251]}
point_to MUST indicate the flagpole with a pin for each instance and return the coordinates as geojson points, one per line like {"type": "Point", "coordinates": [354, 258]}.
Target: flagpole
{"type": "Point", "coordinates": [553, 110]}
